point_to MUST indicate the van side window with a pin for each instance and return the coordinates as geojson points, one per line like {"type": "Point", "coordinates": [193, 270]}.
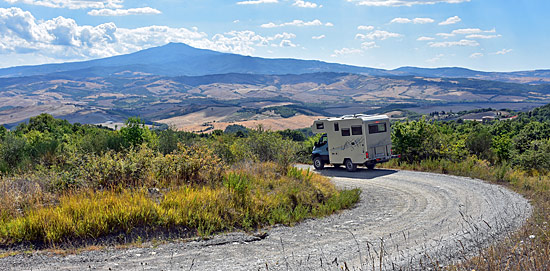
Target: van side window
{"type": "Point", "coordinates": [336, 127]}
{"type": "Point", "coordinates": [377, 128]}
{"type": "Point", "coordinates": [320, 125]}
{"type": "Point", "coordinates": [345, 131]}
{"type": "Point", "coordinates": [356, 130]}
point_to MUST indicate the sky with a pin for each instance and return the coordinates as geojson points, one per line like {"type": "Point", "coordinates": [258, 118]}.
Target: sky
{"type": "Point", "coordinates": [487, 35]}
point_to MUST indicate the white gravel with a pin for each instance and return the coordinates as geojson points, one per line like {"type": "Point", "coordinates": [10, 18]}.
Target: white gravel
{"type": "Point", "coordinates": [405, 220]}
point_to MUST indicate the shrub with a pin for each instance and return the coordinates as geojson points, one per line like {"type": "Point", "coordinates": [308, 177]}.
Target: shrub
{"type": "Point", "coordinates": [189, 165]}
{"type": "Point", "coordinates": [13, 151]}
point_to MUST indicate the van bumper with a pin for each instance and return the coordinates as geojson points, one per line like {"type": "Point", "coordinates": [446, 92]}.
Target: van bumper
{"type": "Point", "coordinates": [382, 159]}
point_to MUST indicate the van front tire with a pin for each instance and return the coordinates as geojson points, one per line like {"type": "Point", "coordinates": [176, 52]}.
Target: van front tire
{"type": "Point", "coordinates": [318, 163]}
{"type": "Point", "coordinates": [350, 166]}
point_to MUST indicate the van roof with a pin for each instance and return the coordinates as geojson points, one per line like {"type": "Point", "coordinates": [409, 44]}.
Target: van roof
{"type": "Point", "coordinates": [359, 116]}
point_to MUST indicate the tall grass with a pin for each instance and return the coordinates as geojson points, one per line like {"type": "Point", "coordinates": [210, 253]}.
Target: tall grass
{"type": "Point", "coordinates": [245, 200]}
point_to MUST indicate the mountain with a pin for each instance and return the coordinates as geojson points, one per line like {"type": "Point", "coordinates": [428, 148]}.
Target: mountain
{"type": "Point", "coordinates": [529, 77]}
{"type": "Point", "coordinates": [178, 59]}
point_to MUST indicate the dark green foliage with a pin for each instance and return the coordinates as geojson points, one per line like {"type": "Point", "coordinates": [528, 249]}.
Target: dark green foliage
{"type": "Point", "coordinates": [46, 123]}
{"type": "Point", "coordinates": [238, 130]}
{"type": "Point", "coordinates": [538, 114]}
{"type": "Point", "coordinates": [522, 142]}
{"type": "Point", "coordinates": [135, 132]}
{"type": "Point", "coordinates": [13, 152]}
{"type": "Point", "coordinates": [283, 111]}
{"type": "Point", "coordinates": [3, 132]}
{"type": "Point", "coordinates": [532, 131]}
{"type": "Point", "coordinates": [293, 135]}
{"type": "Point", "coordinates": [479, 143]}
{"type": "Point", "coordinates": [167, 141]}
{"type": "Point", "coordinates": [535, 155]}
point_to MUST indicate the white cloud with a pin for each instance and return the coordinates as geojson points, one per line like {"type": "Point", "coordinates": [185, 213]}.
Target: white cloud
{"type": "Point", "coordinates": [480, 36]}
{"type": "Point", "coordinates": [346, 51]}
{"type": "Point", "coordinates": [476, 55]}
{"type": "Point", "coordinates": [300, 23]}
{"type": "Point", "coordinates": [287, 43]}
{"type": "Point", "coordinates": [368, 45]}
{"type": "Point", "coordinates": [256, 2]}
{"type": "Point", "coordinates": [451, 20]}
{"type": "Point", "coordinates": [305, 4]}
{"type": "Point", "coordinates": [445, 35]}
{"type": "Point", "coordinates": [398, 3]}
{"type": "Point", "coordinates": [415, 20]}
{"type": "Point", "coordinates": [436, 58]}
{"type": "Point", "coordinates": [425, 38]}
{"type": "Point", "coordinates": [466, 31]}
{"type": "Point", "coordinates": [423, 20]}
{"type": "Point", "coordinates": [72, 4]}
{"type": "Point", "coordinates": [124, 12]}
{"type": "Point", "coordinates": [378, 34]}
{"type": "Point", "coordinates": [365, 27]}
{"type": "Point", "coordinates": [62, 38]}
{"type": "Point", "coordinates": [401, 20]}
{"type": "Point", "coordinates": [503, 51]}
{"type": "Point", "coordinates": [471, 33]}
{"type": "Point", "coordinates": [454, 43]}
{"type": "Point", "coordinates": [318, 37]}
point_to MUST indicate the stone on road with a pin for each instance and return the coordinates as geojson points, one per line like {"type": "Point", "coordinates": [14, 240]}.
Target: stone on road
{"type": "Point", "coordinates": [404, 220]}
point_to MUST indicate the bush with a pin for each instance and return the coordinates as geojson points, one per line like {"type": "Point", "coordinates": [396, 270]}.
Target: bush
{"type": "Point", "coordinates": [13, 151]}
{"type": "Point", "coordinates": [264, 146]}
{"type": "Point", "coordinates": [189, 165]}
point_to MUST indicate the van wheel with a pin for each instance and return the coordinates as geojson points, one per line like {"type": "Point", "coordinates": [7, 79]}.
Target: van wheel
{"type": "Point", "coordinates": [318, 163]}
{"type": "Point", "coordinates": [350, 166]}
{"type": "Point", "coordinates": [371, 166]}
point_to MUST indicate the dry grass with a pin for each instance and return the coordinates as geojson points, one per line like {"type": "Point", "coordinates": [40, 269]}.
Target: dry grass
{"type": "Point", "coordinates": [250, 196]}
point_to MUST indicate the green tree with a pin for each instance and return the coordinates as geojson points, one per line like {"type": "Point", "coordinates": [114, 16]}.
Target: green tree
{"type": "Point", "coordinates": [530, 132]}
{"type": "Point", "coordinates": [535, 156]}
{"type": "Point", "coordinates": [135, 132]}
{"type": "Point", "coordinates": [12, 152]}
{"type": "Point", "coordinates": [479, 142]}
{"type": "Point", "coordinates": [414, 140]}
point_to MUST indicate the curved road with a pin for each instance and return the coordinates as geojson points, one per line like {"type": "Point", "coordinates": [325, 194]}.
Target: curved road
{"type": "Point", "coordinates": [405, 220]}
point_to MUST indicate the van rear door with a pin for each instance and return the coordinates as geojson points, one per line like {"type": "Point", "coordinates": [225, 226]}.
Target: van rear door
{"type": "Point", "coordinates": [378, 139]}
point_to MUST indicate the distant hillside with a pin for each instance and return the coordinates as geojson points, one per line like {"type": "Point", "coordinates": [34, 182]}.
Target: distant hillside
{"type": "Point", "coordinates": [239, 97]}
{"type": "Point", "coordinates": [178, 59]}
{"type": "Point", "coordinates": [527, 77]}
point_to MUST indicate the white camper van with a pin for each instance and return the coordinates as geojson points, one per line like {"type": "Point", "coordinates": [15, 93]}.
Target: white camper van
{"type": "Point", "coordinates": [353, 140]}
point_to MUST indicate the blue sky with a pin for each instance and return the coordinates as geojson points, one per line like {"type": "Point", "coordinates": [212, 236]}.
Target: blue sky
{"type": "Point", "coordinates": [487, 35]}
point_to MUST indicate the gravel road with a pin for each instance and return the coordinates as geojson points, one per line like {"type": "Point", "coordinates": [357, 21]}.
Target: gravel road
{"type": "Point", "coordinates": [405, 220]}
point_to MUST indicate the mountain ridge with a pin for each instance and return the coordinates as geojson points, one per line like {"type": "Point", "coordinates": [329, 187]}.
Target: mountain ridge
{"type": "Point", "coordinates": [179, 59]}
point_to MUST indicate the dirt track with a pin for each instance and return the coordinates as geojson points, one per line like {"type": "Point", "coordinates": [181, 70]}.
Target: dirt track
{"type": "Point", "coordinates": [413, 216]}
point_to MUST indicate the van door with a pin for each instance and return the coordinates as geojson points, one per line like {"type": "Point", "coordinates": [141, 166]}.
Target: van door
{"type": "Point", "coordinates": [379, 139]}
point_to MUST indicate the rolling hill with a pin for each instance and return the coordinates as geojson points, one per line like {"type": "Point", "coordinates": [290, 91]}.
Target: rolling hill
{"type": "Point", "coordinates": [177, 83]}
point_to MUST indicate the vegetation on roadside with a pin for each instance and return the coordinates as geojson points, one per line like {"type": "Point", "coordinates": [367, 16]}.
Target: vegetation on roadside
{"type": "Point", "coordinates": [65, 184]}
{"type": "Point", "coordinates": [514, 153]}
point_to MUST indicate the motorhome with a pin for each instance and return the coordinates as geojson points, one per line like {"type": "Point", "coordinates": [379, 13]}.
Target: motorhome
{"type": "Point", "coordinates": [352, 140]}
